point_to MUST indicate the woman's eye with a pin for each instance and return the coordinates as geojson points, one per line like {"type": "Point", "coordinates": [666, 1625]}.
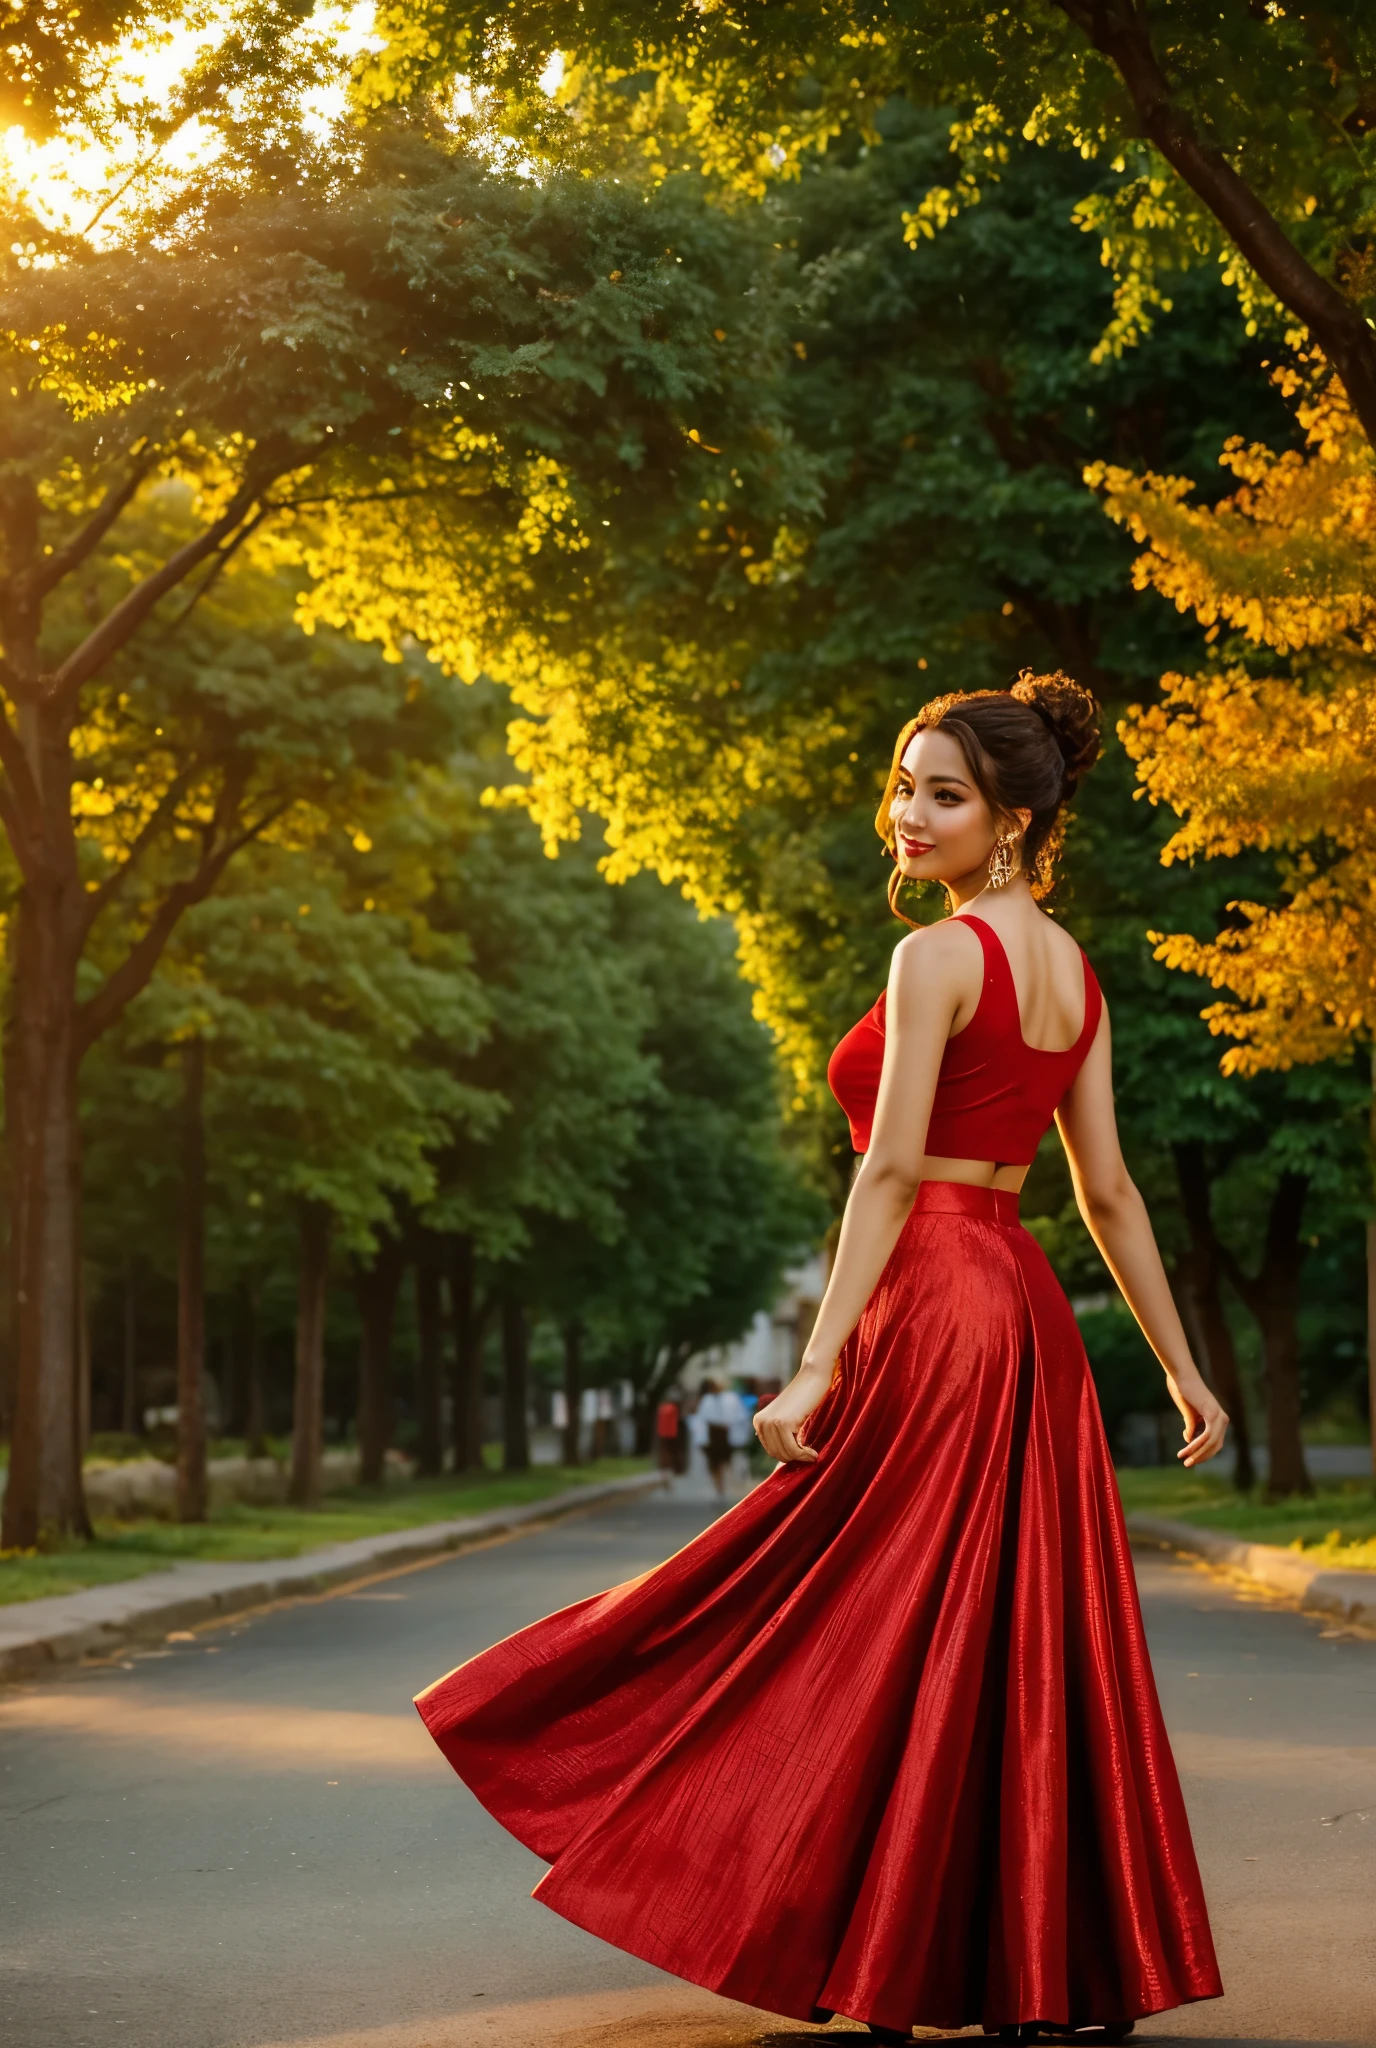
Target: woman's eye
{"type": "Point", "coordinates": [947, 796]}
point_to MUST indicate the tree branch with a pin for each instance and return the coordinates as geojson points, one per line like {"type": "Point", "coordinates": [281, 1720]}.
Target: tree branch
{"type": "Point", "coordinates": [63, 560]}
{"type": "Point", "coordinates": [95, 1016]}
{"type": "Point", "coordinates": [128, 615]}
{"type": "Point", "coordinates": [224, 555]}
{"type": "Point", "coordinates": [1117, 29]}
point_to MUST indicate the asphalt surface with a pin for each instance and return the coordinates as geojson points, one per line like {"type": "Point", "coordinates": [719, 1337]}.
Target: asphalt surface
{"type": "Point", "coordinates": [247, 1840]}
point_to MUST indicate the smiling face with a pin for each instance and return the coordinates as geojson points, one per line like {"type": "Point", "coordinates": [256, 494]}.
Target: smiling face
{"type": "Point", "coordinates": [944, 830]}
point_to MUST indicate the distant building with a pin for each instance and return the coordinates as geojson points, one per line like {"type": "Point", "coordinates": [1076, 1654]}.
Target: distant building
{"type": "Point", "coordinates": [769, 1352]}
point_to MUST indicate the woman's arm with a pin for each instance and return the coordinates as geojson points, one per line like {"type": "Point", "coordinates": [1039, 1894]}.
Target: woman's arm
{"type": "Point", "coordinates": [931, 970]}
{"type": "Point", "coordinates": [1117, 1220]}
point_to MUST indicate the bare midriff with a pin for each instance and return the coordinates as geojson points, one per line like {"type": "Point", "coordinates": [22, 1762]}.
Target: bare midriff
{"type": "Point", "coordinates": [976, 1173]}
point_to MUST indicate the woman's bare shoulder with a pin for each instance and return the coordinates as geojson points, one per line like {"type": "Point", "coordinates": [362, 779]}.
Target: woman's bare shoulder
{"type": "Point", "coordinates": [937, 952]}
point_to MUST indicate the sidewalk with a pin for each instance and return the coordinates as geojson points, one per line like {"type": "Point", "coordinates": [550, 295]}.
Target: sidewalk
{"type": "Point", "coordinates": [36, 1634]}
{"type": "Point", "coordinates": [1350, 1596]}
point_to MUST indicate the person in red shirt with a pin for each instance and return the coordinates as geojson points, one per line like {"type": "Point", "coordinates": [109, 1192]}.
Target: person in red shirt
{"type": "Point", "coordinates": [668, 1421]}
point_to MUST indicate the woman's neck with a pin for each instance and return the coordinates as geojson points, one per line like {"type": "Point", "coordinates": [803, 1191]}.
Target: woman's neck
{"type": "Point", "coordinates": [966, 890]}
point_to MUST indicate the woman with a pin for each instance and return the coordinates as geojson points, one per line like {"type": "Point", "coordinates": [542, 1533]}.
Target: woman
{"type": "Point", "coordinates": [884, 1740]}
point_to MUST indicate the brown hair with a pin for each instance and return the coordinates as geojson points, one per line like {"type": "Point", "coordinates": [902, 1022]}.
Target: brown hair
{"type": "Point", "coordinates": [1027, 749]}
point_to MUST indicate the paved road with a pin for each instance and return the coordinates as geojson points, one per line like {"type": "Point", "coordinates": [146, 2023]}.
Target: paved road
{"type": "Point", "coordinates": [247, 1840]}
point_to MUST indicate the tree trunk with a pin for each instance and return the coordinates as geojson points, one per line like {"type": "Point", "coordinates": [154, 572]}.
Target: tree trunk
{"type": "Point", "coordinates": [467, 1419]}
{"type": "Point", "coordinates": [573, 1392]}
{"type": "Point", "coordinates": [1122, 30]}
{"type": "Point", "coordinates": [1273, 1297]}
{"type": "Point", "coordinates": [1201, 1273]}
{"type": "Point", "coordinates": [376, 1287]}
{"type": "Point", "coordinates": [129, 1364]}
{"type": "Point", "coordinates": [515, 1381]}
{"type": "Point", "coordinates": [1280, 1338]}
{"type": "Point", "coordinates": [308, 1405]}
{"type": "Point", "coordinates": [231, 1384]}
{"type": "Point", "coordinates": [429, 1359]}
{"type": "Point", "coordinates": [8, 1298]}
{"type": "Point", "coordinates": [255, 1432]}
{"type": "Point", "coordinates": [47, 1030]}
{"type": "Point", "coordinates": [44, 1495]}
{"type": "Point", "coordinates": [83, 1362]}
{"type": "Point", "coordinates": [191, 1472]}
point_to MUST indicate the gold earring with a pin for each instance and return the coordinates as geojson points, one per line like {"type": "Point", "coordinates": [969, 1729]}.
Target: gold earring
{"type": "Point", "coordinates": [1002, 866]}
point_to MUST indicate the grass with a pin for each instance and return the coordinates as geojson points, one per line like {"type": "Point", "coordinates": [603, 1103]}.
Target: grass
{"type": "Point", "coordinates": [129, 1549]}
{"type": "Point", "coordinates": [1336, 1527]}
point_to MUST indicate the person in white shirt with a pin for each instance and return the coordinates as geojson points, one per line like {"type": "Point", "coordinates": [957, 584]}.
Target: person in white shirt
{"type": "Point", "coordinates": [722, 1414]}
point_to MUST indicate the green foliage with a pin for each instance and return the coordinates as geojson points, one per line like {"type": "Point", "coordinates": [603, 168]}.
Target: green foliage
{"type": "Point", "coordinates": [1346, 1506]}
{"type": "Point", "coordinates": [709, 1208]}
{"type": "Point", "coordinates": [1282, 98]}
{"type": "Point", "coordinates": [944, 398]}
{"type": "Point", "coordinates": [634, 1183]}
{"type": "Point", "coordinates": [444, 1023]}
{"type": "Point", "coordinates": [327, 1003]}
{"type": "Point", "coordinates": [1127, 1376]}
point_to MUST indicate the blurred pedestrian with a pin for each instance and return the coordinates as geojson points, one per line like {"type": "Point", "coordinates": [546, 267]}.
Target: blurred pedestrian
{"type": "Point", "coordinates": [723, 1413]}
{"type": "Point", "coordinates": [668, 1420]}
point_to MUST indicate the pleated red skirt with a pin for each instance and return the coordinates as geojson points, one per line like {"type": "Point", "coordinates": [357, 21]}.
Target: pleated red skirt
{"type": "Point", "coordinates": [884, 1740]}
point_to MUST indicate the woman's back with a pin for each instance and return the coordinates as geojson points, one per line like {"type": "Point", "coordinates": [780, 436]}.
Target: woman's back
{"type": "Point", "coordinates": [1047, 971]}
{"type": "Point", "coordinates": [1000, 1080]}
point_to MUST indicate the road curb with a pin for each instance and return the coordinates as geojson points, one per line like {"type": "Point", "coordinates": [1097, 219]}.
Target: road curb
{"type": "Point", "coordinates": [1351, 1596]}
{"type": "Point", "coordinates": [37, 1634]}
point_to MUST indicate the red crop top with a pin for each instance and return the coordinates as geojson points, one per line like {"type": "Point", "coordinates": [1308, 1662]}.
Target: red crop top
{"type": "Point", "coordinates": [995, 1094]}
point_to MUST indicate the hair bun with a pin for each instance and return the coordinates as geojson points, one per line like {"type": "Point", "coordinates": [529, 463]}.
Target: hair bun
{"type": "Point", "coordinates": [1070, 714]}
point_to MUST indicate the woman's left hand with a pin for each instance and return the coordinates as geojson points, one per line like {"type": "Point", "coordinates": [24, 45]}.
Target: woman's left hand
{"type": "Point", "coordinates": [1206, 1424]}
{"type": "Point", "coordinates": [777, 1425]}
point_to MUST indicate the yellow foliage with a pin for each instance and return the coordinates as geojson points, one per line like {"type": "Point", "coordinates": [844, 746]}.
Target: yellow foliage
{"type": "Point", "coordinates": [1280, 762]}
{"type": "Point", "coordinates": [667, 755]}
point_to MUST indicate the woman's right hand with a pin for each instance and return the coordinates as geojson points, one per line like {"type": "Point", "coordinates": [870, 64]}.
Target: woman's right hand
{"type": "Point", "coordinates": [1206, 1424]}
{"type": "Point", "coordinates": [777, 1424]}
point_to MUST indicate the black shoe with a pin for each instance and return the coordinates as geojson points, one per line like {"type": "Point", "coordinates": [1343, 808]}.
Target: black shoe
{"type": "Point", "coordinates": [890, 2034]}
{"type": "Point", "coordinates": [1029, 2030]}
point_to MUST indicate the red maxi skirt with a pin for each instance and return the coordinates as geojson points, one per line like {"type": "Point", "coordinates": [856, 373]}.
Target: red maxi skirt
{"type": "Point", "coordinates": [884, 1740]}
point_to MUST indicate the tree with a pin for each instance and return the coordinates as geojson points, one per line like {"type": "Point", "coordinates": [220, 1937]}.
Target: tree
{"type": "Point", "coordinates": [328, 1008]}
{"type": "Point", "coordinates": [1243, 133]}
{"type": "Point", "coordinates": [277, 378]}
{"type": "Point", "coordinates": [192, 1490]}
{"type": "Point", "coordinates": [1280, 762]}
{"type": "Point", "coordinates": [1277, 761]}
{"type": "Point", "coordinates": [562, 1058]}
